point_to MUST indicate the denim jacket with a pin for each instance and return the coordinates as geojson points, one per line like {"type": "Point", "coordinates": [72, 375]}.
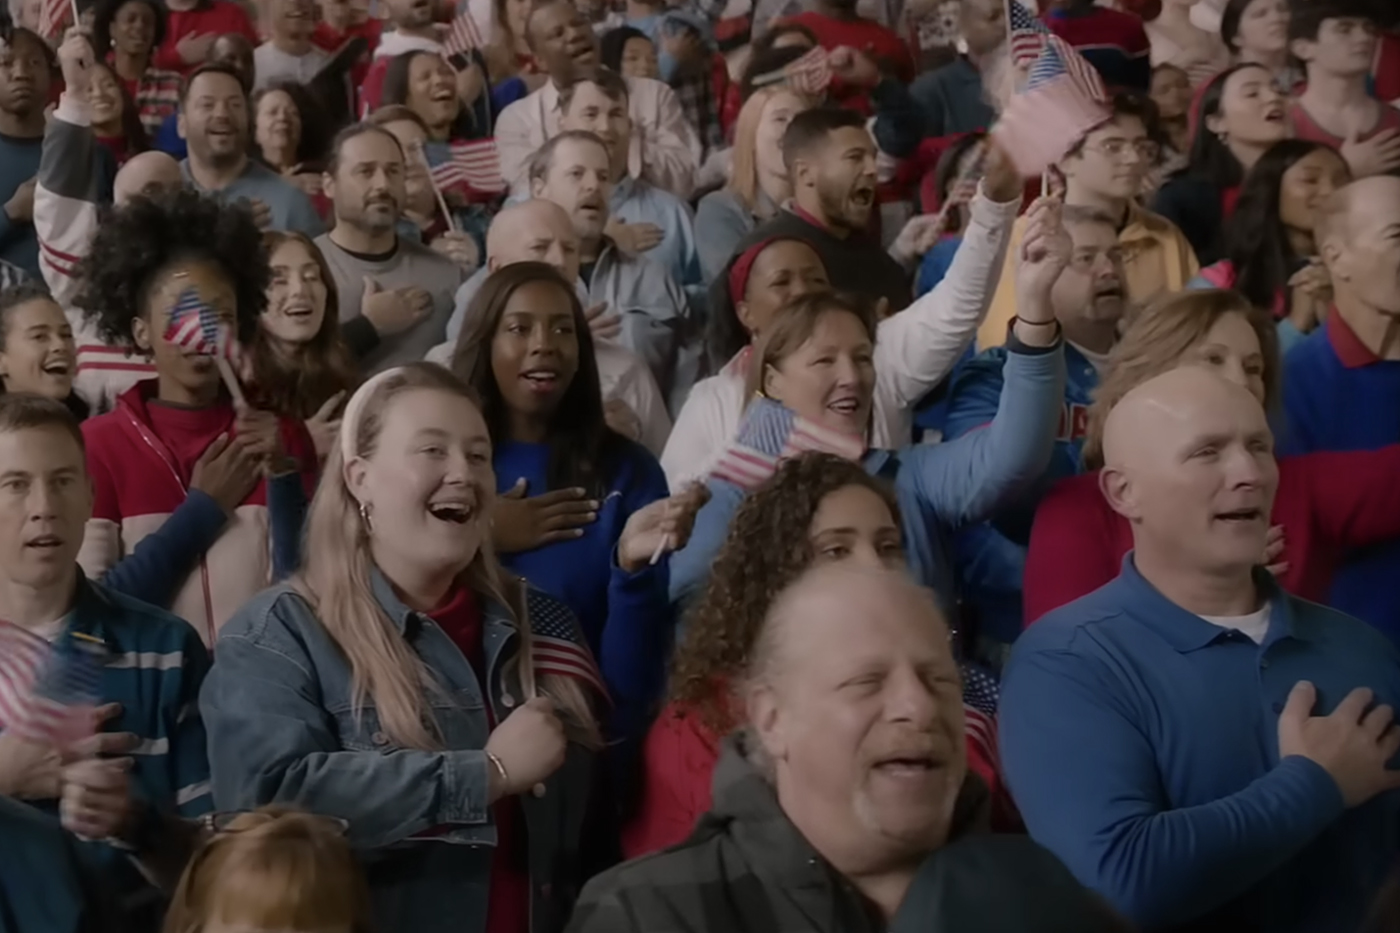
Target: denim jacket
{"type": "Point", "coordinates": [283, 729]}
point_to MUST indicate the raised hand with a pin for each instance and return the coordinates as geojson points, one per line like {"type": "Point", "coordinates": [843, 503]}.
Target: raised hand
{"type": "Point", "coordinates": [660, 527]}
{"type": "Point", "coordinates": [1046, 249]}
{"type": "Point", "coordinates": [324, 426]}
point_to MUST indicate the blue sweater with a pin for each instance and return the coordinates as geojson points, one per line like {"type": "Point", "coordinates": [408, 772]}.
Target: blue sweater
{"type": "Point", "coordinates": [940, 487]}
{"type": "Point", "coordinates": [991, 556]}
{"type": "Point", "coordinates": [1339, 396]}
{"type": "Point", "coordinates": [1141, 744]}
{"type": "Point", "coordinates": [19, 162]}
{"type": "Point", "coordinates": [624, 616]}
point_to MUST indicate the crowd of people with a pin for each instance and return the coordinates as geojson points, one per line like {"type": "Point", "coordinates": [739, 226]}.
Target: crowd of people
{"type": "Point", "coordinates": [526, 466]}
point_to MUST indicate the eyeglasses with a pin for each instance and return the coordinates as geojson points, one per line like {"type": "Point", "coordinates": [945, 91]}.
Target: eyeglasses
{"type": "Point", "coordinates": [222, 821]}
{"type": "Point", "coordinates": [1145, 149]}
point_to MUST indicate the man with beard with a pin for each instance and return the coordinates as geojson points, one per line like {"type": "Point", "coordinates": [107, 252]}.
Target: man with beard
{"type": "Point", "coordinates": [830, 158]}
{"type": "Point", "coordinates": [1088, 300]}
{"type": "Point", "coordinates": [1342, 390]}
{"type": "Point", "coordinates": [395, 294]}
{"type": "Point", "coordinates": [25, 68]}
{"type": "Point", "coordinates": [665, 148]}
{"type": "Point", "coordinates": [845, 806]}
{"type": "Point", "coordinates": [214, 123]}
{"type": "Point", "coordinates": [288, 54]}
{"type": "Point", "coordinates": [574, 170]}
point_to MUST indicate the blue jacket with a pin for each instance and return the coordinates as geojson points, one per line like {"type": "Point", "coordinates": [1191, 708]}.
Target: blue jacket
{"type": "Point", "coordinates": [283, 729]}
{"type": "Point", "coordinates": [1141, 744]}
{"type": "Point", "coordinates": [991, 556]}
{"type": "Point", "coordinates": [47, 882]}
{"type": "Point", "coordinates": [940, 487]}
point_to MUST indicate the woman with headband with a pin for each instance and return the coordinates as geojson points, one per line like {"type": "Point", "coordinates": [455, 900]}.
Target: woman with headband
{"type": "Point", "coordinates": [404, 683]}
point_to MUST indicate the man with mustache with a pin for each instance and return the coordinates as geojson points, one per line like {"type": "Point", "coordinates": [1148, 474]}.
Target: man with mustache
{"type": "Point", "coordinates": [25, 68]}
{"type": "Point", "coordinates": [288, 54]}
{"type": "Point", "coordinates": [213, 122]}
{"type": "Point", "coordinates": [665, 148]}
{"type": "Point", "coordinates": [1202, 748]}
{"type": "Point", "coordinates": [845, 805]}
{"type": "Point", "coordinates": [395, 294]}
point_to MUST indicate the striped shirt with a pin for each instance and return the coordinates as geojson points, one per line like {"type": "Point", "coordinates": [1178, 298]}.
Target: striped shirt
{"type": "Point", "coordinates": [157, 96]}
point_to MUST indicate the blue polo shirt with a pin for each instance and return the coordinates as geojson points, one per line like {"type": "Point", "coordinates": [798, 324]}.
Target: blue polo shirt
{"type": "Point", "coordinates": [1338, 395]}
{"type": "Point", "coordinates": [1141, 744]}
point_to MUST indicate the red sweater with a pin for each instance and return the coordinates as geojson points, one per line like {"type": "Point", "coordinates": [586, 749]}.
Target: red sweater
{"type": "Point", "coordinates": [1328, 504]}
{"type": "Point", "coordinates": [214, 17]}
{"type": "Point", "coordinates": [331, 40]}
{"type": "Point", "coordinates": [865, 35]}
{"type": "Point", "coordinates": [678, 761]}
{"type": "Point", "coordinates": [1388, 67]}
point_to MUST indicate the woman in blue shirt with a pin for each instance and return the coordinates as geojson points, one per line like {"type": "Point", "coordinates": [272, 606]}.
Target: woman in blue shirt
{"type": "Point", "coordinates": [527, 352]}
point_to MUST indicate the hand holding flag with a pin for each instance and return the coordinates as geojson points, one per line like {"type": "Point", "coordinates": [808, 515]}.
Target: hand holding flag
{"type": "Point", "coordinates": [49, 693]}
{"type": "Point", "coordinates": [811, 74]}
{"type": "Point", "coordinates": [771, 433]}
{"type": "Point", "coordinates": [195, 326]}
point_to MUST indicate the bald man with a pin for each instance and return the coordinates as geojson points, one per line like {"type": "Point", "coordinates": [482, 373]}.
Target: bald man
{"type": "Point", "coordinates": [146, 173]}
{"type": "Point", "coordinates": [1162, 735]}
{"type": "Point", "coordinates": [851, 775]}
{"type": "Point", "coordinates": [1342, 388]}
{"type": "Point", "coordinates": [541, 231]}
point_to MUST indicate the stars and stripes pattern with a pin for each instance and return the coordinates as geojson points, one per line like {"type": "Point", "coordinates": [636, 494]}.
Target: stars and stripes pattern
{"type": "Point", "coordinates": [558, 647]}
{"type": "Point", "coordinates": [48, 693]}
{"type": "Point", "coordinates": [1028, 34]}
{"type": "Point", "coordinates": [193, 325]}
{"type": "Point", "coordinates": [1030, 39]}
{"type": "Point", "coordinates": [770, 434]}
{"type": "Point", "coordinates": [53, 17]}
{"type": "Point", "coordinates": [980, 696]}
{"type": "Point", "coordinates": [473, 167]}
{"type": "Point", "coordinates": [811, 74]}
{"type": "Point", "coordinates": [462, 35]}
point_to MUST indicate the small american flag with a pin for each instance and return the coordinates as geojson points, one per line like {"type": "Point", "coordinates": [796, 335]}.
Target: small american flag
{"type": "Point", "coordinates": [48, 693]}
{"type": "Point", "coordinates": [462, 34]}
{"type": "Point", "coordinates": [193, 325]}
{"type": "Point", "coordinates": [771, 433]}
{"type": "Point", "coordinates": [473, 166]}
{"type": "Point", "coordinates": [980, 695]}
{"type": "Point", "coordinates": [1062, 100]}
{"type": "Point", "coordinates": [810, 74]}
{"type": "Point", "coordinates": [1028, 35]}
{"type": "Point", "coordinates": [53, 17]}
{"type": "Point", "coordinates": [558, 645]}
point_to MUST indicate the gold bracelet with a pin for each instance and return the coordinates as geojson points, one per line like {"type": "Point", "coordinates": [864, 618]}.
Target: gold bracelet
{"type": "Point", "coordinates": [500, 769]}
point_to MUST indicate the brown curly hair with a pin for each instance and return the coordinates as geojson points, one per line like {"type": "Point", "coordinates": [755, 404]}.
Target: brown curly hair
{"type": "Point", "coordinates": [768, 547]}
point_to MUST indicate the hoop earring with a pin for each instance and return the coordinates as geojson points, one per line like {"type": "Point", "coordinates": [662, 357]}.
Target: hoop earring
{"type": "Point", "coordinates": [365, 517]}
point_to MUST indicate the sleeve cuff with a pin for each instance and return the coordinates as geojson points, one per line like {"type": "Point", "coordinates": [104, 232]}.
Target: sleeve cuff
{"type": "Point", "coordinates": [1014, 344]}
{"type": "Point", "coordinates": [993, 213]}
{"type": "Point", "coordinates": [71, 110]}
{"type": "Point", "coordinates": [465, 787]}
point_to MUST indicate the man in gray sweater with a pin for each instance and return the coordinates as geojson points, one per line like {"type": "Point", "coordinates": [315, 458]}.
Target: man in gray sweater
{"type": "Point", "coordinates": [378, 276]}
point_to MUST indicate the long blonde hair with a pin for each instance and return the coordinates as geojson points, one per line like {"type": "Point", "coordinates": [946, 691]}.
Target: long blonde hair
{"type": "Point", "coordinates": [1157, 339]}
{"type": "Point", "coordinates": [743, 172]}
{"type": "Point", "coordinates": [336, 574]}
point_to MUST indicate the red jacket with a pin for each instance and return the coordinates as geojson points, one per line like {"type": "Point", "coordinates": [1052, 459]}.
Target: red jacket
{"type": "Point", "coordinates": [214, 17]}
{"type": "Point", "coordinates": [1328, 504]}
{"type": "Point", "coordinates": [678, 760]}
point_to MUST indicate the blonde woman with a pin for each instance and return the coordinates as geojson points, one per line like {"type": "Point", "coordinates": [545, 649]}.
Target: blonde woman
{"type": "Point", "coordinates": [404, 684]}
{"type": "Point", "coordinates": [758, 182]}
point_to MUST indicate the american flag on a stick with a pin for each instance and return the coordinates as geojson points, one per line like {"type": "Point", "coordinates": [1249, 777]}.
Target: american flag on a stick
{"type": "Point", "coordinates": [557, 645]}
{"type": "Point", "coordinates": [48, 692]}
{"type": "Point", "coordinates": [54, 17]}
{"type": "Point", "coordinates": [771, 433]}
{"type": "Point", "coordinates": [473, 167]}
{"type": "Point", "coordinates": [462, 35]}
{"type": "Point", "coordinates": [1029, 38]}
{"type": "Point", "coordinates": [193, 325]}
{"type": "Point", "coordinates": [810, 74]}
{"type": "Point", "coordinates": [980, 695]}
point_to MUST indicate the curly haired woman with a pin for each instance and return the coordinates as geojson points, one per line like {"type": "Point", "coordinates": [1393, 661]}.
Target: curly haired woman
{"type": "Point", "coordinates": [817, 508]}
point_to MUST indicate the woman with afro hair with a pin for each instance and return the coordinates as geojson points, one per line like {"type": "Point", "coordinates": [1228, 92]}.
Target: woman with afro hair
{"type": "Point", "coordinates": [177, 448]}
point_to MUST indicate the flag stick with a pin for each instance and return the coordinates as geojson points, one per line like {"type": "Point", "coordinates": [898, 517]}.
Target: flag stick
{"type": "Point", "coordinates": [73, 5]}
{"type": "Point", "coordinates": [437, 192]}
{"type": "Point", "coordinates": [231, 380]}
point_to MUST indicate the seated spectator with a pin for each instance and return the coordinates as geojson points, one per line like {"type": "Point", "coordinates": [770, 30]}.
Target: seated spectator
{"type": "Point", "coordinates": [127, 33]}
{"type": "Point", "coordinates": [940, 487]}
{"type": "Point", "coordinates": [192, 28]}
{"type": "Point", "coordinates": [1089, 301]}
{"type": "Point", "coordinates": [917, 348]}
{"type": "Point", "coordinates": [169, 434]}
{"type": "Point", "coordinates": [574, 170]}
{"type": "Point", "coordinates": [527, 353]}
{"type": "Point", "coordinates": [1271, 255]}
{"type": "Point", "coordinates": [336, 694]}
{"type": "Point", "coordinates": [37, 352]}
{"type": "Point", "coordinates": [758, 183]}
{"type": "Point", "coordinates": [838, 513]}
{"type": "Point", "coordinates": [952, 99]}
{"type": "Point", "coordinates": [1171, 94]}
{"type": "Point", "coordinates": [629, 52]}
{"type": "Point", "coordinates": [1238, 114]}
{"type": "Point", "coordinates": [288, 54]}
{"type": "Point", "coordinates": [26, 66]}
{"type": "Point", "coordinates": [1336, 41]}
{"type": "Point", "coordinates": [1341, 389]}
{"type": "Point", "coordinates": [272, 869]}
{"type": "Point", "coordinates": [850, 775]}
{"type": "Point", "coordinates": [541, 231]}
{"type": "Point", "coordinates": [214, 123]}
{"type": "Point", "coordinates": [1256, 32]}
{"type": "Point", "coordinates": [644, 218]}
{"type": "Point", "coordinates": [1078, 542]}
{"type": "Point", "coordinates": [1175, 40]}
{"type": "Point", "coordinates": [291, 138]}
{"type": "Point", "coordinates": [299, 364]}
{"type": "Point", "coordinates": [1105, 172]}
{"type": "Point", "coordinates": [425, 83]}
{"type": "Point", "coordinates": [665, 149]}
{"type": "Point", "coordinates": [395, 294]}
{"type": "Point", "coordinates": [1114, 42]}
{"type": "Point", "coordinates": [1174, 736]}
{"type": "Point", "coordinates": [837, 24]}
{"type": "Point", "coordinates": [115, 121]}
{"type": "Point", "coordinates": [152, 665]}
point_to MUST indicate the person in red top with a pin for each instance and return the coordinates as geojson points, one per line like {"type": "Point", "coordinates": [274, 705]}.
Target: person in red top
{"type": "Point", "coordinates": [342, 21]}
{"type": "Point", "coordinates": [836, 23]}
{"type": "Point", "coordinates": [191, 28]}
{"type": "Point", "coordinates": [1386, 73]}
{"type": "Point", "coordinates": [1336, 40]}
{"type": "Point", "coordinates": [1327, 504]}
{"type": "Point", "coordinates": [817, 509]}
